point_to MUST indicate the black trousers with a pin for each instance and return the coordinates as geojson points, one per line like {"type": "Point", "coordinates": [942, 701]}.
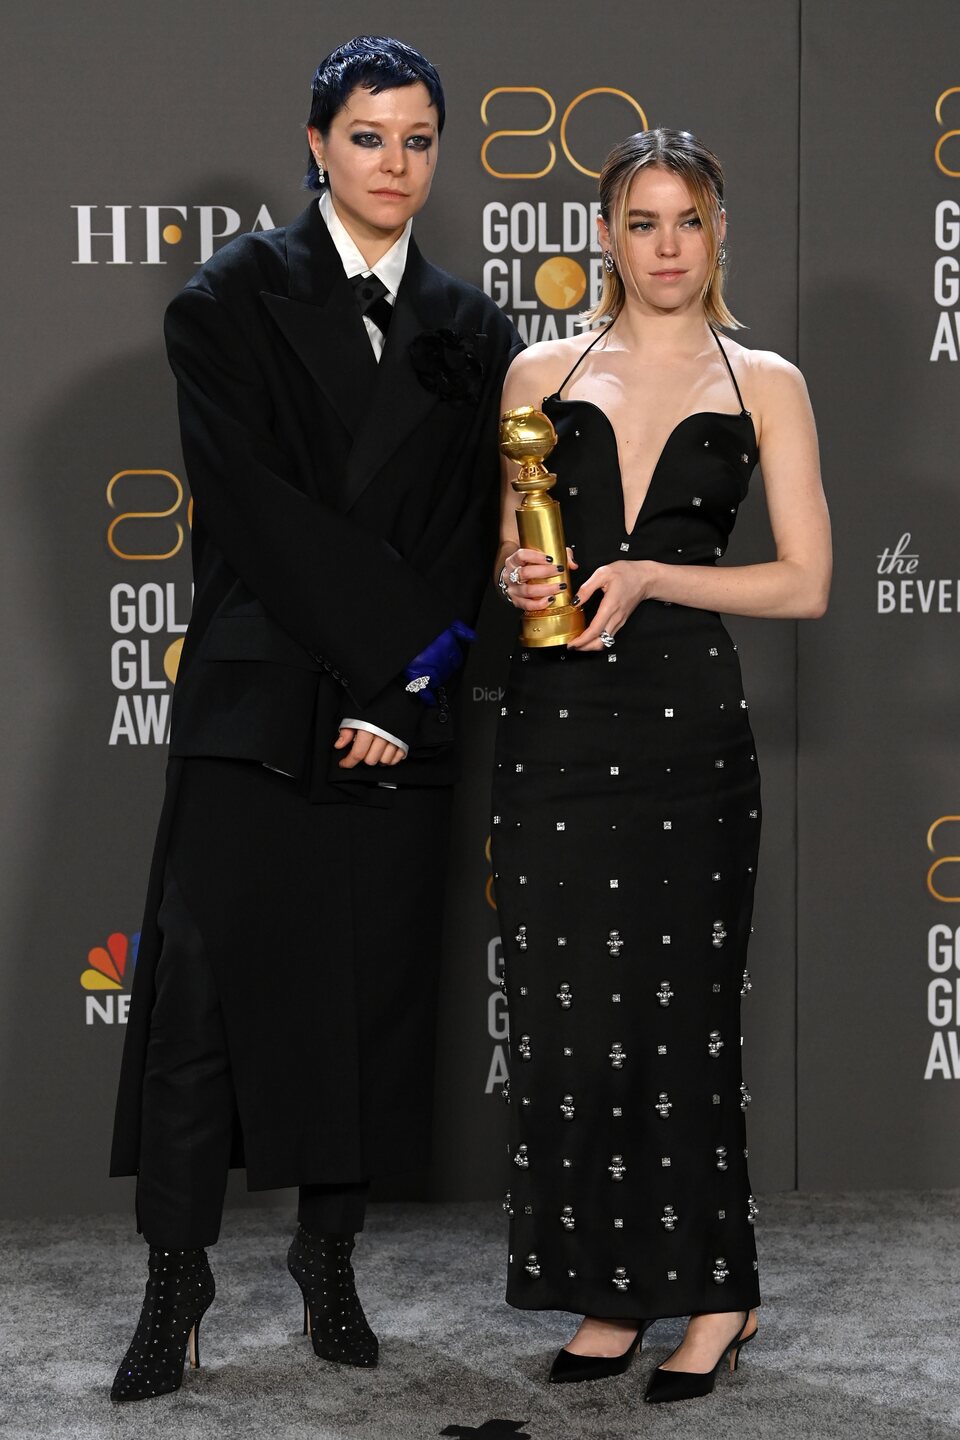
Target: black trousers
{"type": "Point", "coordinates": [189, 1110]}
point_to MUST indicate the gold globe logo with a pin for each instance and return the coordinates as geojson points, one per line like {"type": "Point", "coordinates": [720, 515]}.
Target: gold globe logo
{"type": "Point", "coordinates": [171, 660]}
{"type": "Point", "coordinates": [560, 282]}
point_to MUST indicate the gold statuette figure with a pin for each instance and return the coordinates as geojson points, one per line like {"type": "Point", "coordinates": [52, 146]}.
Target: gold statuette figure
{"type": "Point", "coordinates": [527, 436]}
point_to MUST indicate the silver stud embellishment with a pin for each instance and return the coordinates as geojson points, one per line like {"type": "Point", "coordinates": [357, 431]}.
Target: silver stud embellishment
{"type": "Point", "coordinates": [714, 1044]}
{"type": "Point", "coordinates": [664, 1105]}
{"type": "Point", "coordinates": [669, 1218]}
{"type": "Point", "coordinates": [747, 985]}
{"type": "Point", "coordinates": [567, 1218]}
{"type": "Point", "coordinates": [720, 1270]}
{"type": "Point", "coordinates": [614, 769]}
{"type": "Point", "coordinates": [621, 1279]}
{"type": "Point", "coordinates": [721, 1154]}
{"type": "Point", "coordinates": [565, 996]}
{"type": "Point", "coordinates": [745, 458]}
{"type": "Point", "coordinates": [524, 1048]}
{"type": "Point", "coordinates": [665, 1161]}
{"type": "Point", "coordinates": [615, 998]}
{"type": "Point", "coordinates": [567, 1107]}
{"type": "Point", "coordinates": [668, 824]}
{"type": "Point", "coordinates": [617, 1055]}
{"type": "Point", "coordinates": [719, 934]}
{"type": "Point", "coordinates": [573, 490]}
{"type": "Point", "coordinates": [665, 994]}
{"type": "Point", "coordinates": [614, 943]}
{"type": "Point", "coordinates": [618, 1223]}
{"type": "Point", "coordinates": [697, 500]}
{"type": "Point", "coordinates": [521, 937]}
{"type": "Point", "coordinates": [508, 1204]}
{"type": "Point", "coordinates": [614, 884]}
{"type": "Point", "coordinates": [713, 650]}
{"type": "Point", "coordinates": [616, 1167]}
{"type": "Point", "coordinates": [753, 1210]}
{"type": "Point", "coordinates": [668, 712]}
{"type": "Point", "coordinates": [522, 1159]}
{"type": "Point", "coordinates": [563, 714]}
{"type": "Point", "coordinates": [624, 546]}
{"type": "Point", "coordinates": [745, 1096]}
{"type": "Point", "coordinates": [505, 1093]}
{"type": "Point", "coordinates": [562, 824]}
{"type": "Point", "coordinates": [532, 1266]}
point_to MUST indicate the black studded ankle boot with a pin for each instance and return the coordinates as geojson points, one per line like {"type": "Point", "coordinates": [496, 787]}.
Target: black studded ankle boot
{"type": "Point", "coordinates": [180, 1290]}
{"type": "Point", "coordinates": [332, 1314]}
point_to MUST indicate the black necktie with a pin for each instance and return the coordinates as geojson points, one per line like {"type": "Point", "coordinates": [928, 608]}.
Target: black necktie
{"type": "Point", "coordinates": [370, 294]}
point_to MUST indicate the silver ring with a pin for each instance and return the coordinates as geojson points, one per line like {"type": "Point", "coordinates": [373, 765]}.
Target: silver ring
{"type": "Point", "coordinates": [607, 639]}
{"type": "Point", "coordinates": [514, 576]}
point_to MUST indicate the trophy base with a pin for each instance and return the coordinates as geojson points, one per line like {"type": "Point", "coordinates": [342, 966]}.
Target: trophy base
{"type": "Point", "coordinates": [551, 627]}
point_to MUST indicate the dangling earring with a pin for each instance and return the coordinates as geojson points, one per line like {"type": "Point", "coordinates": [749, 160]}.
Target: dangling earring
{"type": "Point", "coordinates": [722, 254]}
{"type": "Point", "coordinates": [608, 264]}
{"type": "Point", "coordinates": [320, 174]}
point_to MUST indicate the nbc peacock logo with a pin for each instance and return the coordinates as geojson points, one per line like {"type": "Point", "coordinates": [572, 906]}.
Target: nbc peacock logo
{"type": "Point", "coordinates": [106, 979]}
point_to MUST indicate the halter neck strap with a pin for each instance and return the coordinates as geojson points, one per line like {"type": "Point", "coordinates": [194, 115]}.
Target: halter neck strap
{"type": "Point", "coordinates": [569, 376]}
{"type": "Point", "coordinates": [607, 328]}
{"type": "Point", "coordinates": [733, 378]}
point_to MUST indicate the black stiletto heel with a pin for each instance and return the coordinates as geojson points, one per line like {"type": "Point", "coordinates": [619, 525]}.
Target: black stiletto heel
{"type": "Point", "coordinates": [180, 1290]}
{"type": "Point", "coordinates": [332, 1314]}
{"type": "Point", "coordinates": [569, 1369]}
{"type": "Point", "coordinates": [667, 1385]}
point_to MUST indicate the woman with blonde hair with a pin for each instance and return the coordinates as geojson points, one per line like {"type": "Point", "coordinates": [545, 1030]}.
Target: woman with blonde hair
{"type": "Point", "coordinates": [627, 794]}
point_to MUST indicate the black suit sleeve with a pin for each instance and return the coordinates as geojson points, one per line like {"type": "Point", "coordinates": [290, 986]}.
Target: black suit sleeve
{"type": "Point", "coordinates": [344, 594]}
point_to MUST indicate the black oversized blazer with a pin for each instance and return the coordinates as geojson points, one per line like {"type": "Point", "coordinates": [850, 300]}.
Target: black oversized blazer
{"type": "Point", "coordinates": [345, 514]}
{"type": "Point", "coordinates": [345, 511]}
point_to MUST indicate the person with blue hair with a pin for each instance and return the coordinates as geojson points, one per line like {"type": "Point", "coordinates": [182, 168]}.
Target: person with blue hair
{"type": "Point", "coordinates": [338, 402]}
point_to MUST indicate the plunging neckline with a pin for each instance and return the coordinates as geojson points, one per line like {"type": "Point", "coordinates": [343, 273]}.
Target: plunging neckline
{"type": "Point", "coordinates": [696, 415]}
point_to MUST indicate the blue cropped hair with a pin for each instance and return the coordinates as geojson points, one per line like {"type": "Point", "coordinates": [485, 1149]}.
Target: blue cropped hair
{"type": "Point", "coordinates": [376, 63]}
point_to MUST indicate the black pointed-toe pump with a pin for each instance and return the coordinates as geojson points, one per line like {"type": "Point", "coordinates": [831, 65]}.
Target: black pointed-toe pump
{"type": "Point", "coordinates": [568, 1369]}
{"type": "Point", "coordinates": [332, 1314]}
{"type": "Point", "coordinates": [179, 1292]}
{"type": "Point", "coordinates": [667, 1385]}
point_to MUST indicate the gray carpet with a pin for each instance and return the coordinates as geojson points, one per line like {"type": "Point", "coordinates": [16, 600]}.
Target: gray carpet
{"type": "Point", "coordinates": [860, 1335]}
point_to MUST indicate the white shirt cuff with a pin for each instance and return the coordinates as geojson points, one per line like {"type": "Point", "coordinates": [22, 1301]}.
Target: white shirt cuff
{"type": "Point", "coordinates": [375, 730]}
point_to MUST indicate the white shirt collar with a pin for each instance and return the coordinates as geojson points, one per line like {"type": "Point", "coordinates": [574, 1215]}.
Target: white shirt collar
{"type": "Point", "coordinates": [389, 268]}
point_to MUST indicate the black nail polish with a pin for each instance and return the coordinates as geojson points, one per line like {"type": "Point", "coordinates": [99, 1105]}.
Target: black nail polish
{"type": "Point", "coordinates": [561, 586]}
{"type": "Point", "coordinates": [550, 558]}
{"type": "Point", "coordinates": [576, 599]}
{"type": "Point", "coordinates": [559, 569]}
{"type": "Point", "coordinates": [552, 600]}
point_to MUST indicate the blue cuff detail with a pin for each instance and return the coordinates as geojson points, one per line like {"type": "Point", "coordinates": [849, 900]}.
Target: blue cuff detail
{"type": "Point", "coordinates": [438, 661]}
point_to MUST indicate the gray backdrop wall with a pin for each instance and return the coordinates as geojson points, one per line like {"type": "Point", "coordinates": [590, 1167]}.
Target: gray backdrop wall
{"type": "Point", "coordinates": [138, 138]}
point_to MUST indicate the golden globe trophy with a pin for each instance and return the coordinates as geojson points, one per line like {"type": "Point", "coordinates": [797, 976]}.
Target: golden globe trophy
{"type": "Point", "coordinates": [527, 436]}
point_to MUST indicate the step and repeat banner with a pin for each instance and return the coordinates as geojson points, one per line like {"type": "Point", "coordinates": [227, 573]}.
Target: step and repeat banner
{"type": "Point", "coordinates": [142, 139]}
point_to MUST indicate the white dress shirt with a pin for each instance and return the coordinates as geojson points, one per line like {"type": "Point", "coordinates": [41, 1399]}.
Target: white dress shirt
{"type": "Point", "coordinates": [389, 270]}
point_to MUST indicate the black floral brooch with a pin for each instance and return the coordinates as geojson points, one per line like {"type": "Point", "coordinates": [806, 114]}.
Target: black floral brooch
{"type": "Point", "coordinates": [448, 366]}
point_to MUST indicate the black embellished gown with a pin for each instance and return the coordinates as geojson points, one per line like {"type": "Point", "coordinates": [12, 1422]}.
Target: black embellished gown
{"type": "Point", "coordinates": [625, 835]}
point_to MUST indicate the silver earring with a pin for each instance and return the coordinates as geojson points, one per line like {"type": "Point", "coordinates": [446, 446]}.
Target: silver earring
{"type": "Point", "coordinates": [722, 255]}
{"type": "Point", "coordinates": [608, 264]}
{"type": "Point", "coordinates": [320, 174]}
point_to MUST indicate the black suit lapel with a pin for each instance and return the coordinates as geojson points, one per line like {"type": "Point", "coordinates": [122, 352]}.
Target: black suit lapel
{"type": "Point", "coordinates": [320, 320]}
{"type": "Point", "coordinates": [399, 402]}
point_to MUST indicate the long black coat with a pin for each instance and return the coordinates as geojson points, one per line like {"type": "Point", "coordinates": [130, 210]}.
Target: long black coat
{"type": "Point", "coordinates": [345, 514]}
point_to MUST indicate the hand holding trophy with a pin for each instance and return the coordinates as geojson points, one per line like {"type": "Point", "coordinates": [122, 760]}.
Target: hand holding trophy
{"type": "Point", "coordinates": [527, 436]}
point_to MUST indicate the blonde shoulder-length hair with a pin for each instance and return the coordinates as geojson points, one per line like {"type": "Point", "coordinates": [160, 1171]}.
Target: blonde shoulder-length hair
{"type": "Point", "coordinates": [683, 154]}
